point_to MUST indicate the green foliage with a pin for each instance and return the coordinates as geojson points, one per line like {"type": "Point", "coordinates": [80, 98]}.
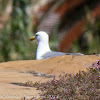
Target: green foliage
{"type": "Point", "coordinates": [14, 37]}
{"type": "Point", "coordinates": [19, 27]}
{"type": "Point", "coordinates": [89, 42]}
{"type": "Point", "coordinates": [2, 5]}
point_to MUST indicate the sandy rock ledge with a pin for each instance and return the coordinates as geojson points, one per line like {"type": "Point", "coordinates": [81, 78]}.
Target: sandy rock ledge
{"type": "Point", "coordinates": [15, 72]}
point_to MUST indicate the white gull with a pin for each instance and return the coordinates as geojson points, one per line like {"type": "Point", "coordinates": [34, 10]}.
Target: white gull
{"type": "Point", "coordinates": [43, 49]}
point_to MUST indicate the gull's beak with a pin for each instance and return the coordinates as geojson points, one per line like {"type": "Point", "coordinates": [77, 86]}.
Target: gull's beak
{"type": "Point", "coordinates": [32, 38]}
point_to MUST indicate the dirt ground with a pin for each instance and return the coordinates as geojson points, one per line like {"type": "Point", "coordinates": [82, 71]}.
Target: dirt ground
{"type": "Point", "coordinates": [14, 72]}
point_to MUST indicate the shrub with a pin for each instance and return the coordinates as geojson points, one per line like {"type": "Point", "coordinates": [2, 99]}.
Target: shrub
{"type": "Point", "coordinates": [81, 86]}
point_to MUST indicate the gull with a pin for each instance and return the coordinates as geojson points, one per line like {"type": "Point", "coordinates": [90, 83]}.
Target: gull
{"type": "Point", "coordinates": [43, 49]}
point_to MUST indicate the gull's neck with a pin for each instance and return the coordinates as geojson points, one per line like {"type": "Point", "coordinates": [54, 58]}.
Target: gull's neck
{"type": "Point", "coordinates": [42, 48]}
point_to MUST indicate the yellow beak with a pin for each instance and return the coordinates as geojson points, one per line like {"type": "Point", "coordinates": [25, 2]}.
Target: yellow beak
{"type": "Point", "coordinates": [32, 38]}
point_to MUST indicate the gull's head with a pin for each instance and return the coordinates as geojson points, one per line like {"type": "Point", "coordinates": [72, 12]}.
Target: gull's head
{"type": "Point", "coordinates": [40, 36]}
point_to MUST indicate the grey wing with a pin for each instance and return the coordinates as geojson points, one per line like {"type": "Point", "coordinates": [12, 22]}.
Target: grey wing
{"type": "Point", "coordinates": [74, 54]}
{"type": "Point", "coordinates": [52, 54]}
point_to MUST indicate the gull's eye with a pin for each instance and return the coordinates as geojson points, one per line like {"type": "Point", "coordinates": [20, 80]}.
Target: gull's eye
{"type": "Point", "coordinates": [36, 35]}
